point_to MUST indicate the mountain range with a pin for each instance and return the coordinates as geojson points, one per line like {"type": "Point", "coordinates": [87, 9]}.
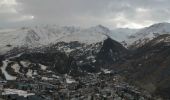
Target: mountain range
{"type": "Point", "coordinates": [140, 55]}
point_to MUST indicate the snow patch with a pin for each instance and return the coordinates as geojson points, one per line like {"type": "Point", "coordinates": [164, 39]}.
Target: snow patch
{"type": "Point", "coordinates": [69, 80]}
{"type": "Point", "coordinates": [25, 63]}
{"type": "Point", "coordinates": [35, 72]}
{"type": "Point", "coordinates": [106, 71]}
{"type": "Point", "coordinates": [3, 69]}
{"type": "Point", "coordinates": [16, 68]}
{"type": "Point", "coordinates": [18, 92]}
{"type": "Point", "coordinates": [29, 73]}
{"type": "Point", "coordinates": [43, 67]}
{"type": "Point", "coordinates": [46, 78]}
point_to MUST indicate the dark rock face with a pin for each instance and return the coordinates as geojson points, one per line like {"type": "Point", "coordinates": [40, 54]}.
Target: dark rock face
{"type": "Point", "coordinates": [149, 66]}
{"type": "Point", "coordinates": [111, 52]}
{"type": "Point", "coordinates": [1, 59]}
{"type": "Point", "coordinates": [1, 64]}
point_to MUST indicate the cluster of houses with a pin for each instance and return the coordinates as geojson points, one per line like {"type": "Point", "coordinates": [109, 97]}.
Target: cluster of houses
{"type": "Point", "coordinates": [99, 86]}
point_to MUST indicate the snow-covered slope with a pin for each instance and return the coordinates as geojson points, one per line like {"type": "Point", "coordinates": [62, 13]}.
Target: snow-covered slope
{"type": "Point", "coordinates": [122, 34]}
{"type": "Point", "coordinates": [144, 35]}
{"type": "Point", "coordinates": [88, 36]}
{"type": "Point", "coordinates": [37, 36]}
{"type": "Point", "coordinates": [50, 34]}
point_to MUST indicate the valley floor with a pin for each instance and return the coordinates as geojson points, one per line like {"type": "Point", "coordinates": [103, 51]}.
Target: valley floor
{"type": "Point", "coordinates": [98, 86]}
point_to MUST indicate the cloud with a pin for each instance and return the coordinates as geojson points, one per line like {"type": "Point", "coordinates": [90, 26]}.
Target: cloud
{"type": "Point", "coordinates": [85, 13]}
{"type": "Point", "coordinates": [9, 13]}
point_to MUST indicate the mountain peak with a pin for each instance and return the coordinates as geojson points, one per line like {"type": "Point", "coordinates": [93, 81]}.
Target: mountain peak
{"type": "Point", "coordinates": [101, 27]}
{"type": "Point", "coordinates": [146, 34]}
{"type": "Point", "coordinates": [160, 28]}
{"type": "Point", "coordinates": [161, 24]}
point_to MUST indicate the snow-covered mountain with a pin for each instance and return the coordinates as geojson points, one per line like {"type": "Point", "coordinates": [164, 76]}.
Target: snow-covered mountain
{"type": "Point", "coordinates": [38, 36]}
{"type": "Point", "coordinates": [44, 35]}
{"type": "Point", "coordinates": [144, 35]}
{"type": "Point", "coordinates": [122, 34]}
{"type": "Point", "coordinates": [46, 53]}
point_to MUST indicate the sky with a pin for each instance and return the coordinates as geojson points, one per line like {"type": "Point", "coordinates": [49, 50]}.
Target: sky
{"type": "Point", "coordinates": [84, 13]}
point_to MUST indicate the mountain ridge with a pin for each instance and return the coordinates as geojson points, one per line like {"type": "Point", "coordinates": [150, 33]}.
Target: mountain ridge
{"type": "Point", "coordinates": [146, 34]}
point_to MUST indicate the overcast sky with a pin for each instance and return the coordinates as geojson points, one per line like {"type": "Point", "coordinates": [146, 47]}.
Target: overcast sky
{"type": "Point", "coordinates": [84, 13]}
